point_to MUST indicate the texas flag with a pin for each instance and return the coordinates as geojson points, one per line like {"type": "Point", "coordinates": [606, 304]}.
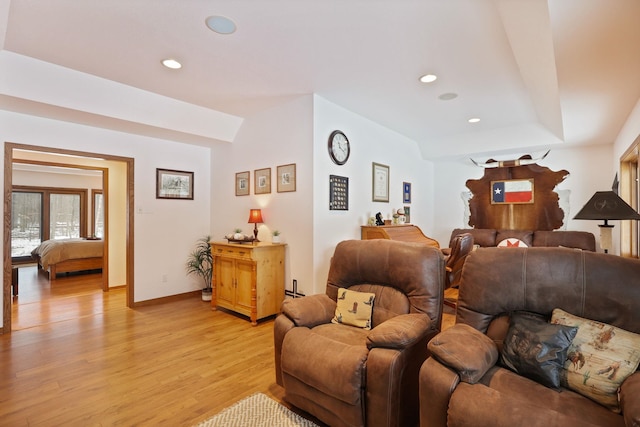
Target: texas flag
{"type": "Point", "coordinates": [512, 191]}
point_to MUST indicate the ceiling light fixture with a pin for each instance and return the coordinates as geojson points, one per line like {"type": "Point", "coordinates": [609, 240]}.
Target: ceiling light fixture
{"type": "Point", "coordinates": [171, 63]}
{"type": "Point", "coordinates": [428, 78]}
{"type": "Point", "coordinates": [448, 96]}
{"type": "Point", "coordinates": [220, 24]}
{"type": "Point", "coordinates": [474, 120]}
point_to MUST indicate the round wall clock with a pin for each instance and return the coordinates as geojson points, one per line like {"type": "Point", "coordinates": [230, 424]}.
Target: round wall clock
{"type": "Point", "coordinates": [339, 148]}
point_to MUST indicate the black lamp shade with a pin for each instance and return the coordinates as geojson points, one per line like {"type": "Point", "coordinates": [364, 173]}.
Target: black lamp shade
{"type": "Point", "coordinates": [606, 205]}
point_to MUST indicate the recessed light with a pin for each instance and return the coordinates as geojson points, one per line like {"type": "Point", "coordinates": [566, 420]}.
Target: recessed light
{"type": "Point", "coordinates": [448, 96]}
{"type": "Point", "coordinates": [428, 78]}
{"type": "Point", "coordinates": [171, 63]}
{"type": "Point", "coordinates": [221, 24]}
{"type": "Point", "coordinates": [473, 120]}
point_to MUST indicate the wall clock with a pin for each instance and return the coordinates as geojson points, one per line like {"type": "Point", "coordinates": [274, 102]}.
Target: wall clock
{"type": "Point", "coordinates": [339, 148]}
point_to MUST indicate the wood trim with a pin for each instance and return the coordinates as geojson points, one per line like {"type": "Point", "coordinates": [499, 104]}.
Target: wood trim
{"type": "Point", "coordinates": [170, 298]}
{"type": "Point", "coordinates": [629, 189]}
{"type": "Point", "coordinates": [8, 171]}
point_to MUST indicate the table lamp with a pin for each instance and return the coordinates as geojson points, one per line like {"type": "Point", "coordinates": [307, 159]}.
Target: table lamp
{"type": "Point", "coordinates": [606, 205]}
{"type": "Point", "coordinates": [255, 217]}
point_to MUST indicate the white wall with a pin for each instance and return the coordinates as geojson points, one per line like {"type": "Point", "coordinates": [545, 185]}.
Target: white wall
{"type": "Point", "coordinates": [277, 136]}
{"type": "Point", "coordinates": [370, 142]}
{"type": "Point", "coordinates": [165, 230]}
{"type": "Point", "coordinates": [589, 169]}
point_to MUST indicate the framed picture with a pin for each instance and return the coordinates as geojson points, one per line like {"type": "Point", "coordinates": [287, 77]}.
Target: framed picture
{"type": "Point", "coordinates": [262, 181]}
{"type": "Point", "coordinates": [512, 191]}
{"type": "Point", "coordinates": [338, 193]}
{"type": "Point", "coordinates": [407, 214]}
{"type": "Point", "coordinates": [172, 184]}
{"type": "Point", "coordinates": [380, 182]}
{"type": "Point", "coordinates": [243, 181]}
{"type": "Point", "coordinates": [406, 192]}
{"type": "Point", "coordinates": [286, 176]}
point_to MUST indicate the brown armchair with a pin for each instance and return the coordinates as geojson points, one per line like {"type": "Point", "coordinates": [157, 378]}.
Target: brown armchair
{"type": "Point", "coordinates": [463, 383]}
{"type": "Point", "coordinates": [461, 246]}
{"type": "Point", "coordinates": [349, 376]}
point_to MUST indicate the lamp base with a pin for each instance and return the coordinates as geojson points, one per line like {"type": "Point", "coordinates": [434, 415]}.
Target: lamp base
{"type": "Point", "coordinates": [606, 240]}
{"type": "Point", "coordinates": [255, 233]}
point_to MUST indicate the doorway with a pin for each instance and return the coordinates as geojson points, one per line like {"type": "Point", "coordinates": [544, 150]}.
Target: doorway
{"type": "Point", "coordinates": [125, 233]}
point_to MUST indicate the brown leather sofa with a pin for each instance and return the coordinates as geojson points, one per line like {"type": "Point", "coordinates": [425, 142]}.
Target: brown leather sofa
{"type": "Point", "coordinates": [487, 237]}
{"type": "Point", "coordinates": [349, 376]}
{"type": "Point", "coordinates": [463, 384]}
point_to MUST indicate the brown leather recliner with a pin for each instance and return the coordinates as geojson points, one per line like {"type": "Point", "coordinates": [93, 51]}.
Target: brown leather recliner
{"type": "Point", "coordinates": [463, 384]}
{"type": "Point", "coordinates": [461, 246]}
{"type": "Point", "coordinates": [348, 376]}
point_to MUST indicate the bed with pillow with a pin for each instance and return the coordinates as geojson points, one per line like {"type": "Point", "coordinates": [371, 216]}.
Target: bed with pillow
{"type": "Point", "coordinates": [69, 255]}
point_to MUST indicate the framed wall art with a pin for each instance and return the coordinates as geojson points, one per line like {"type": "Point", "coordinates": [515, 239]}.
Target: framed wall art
{"type": "Point", "coordinates": [262, 181]}
{"type": "Point", "coordinates": [512, 191]}
{"type": "Point", "coordinates": [380, 182]}
{"type": "Point", "coordinates": [243, 181]}
{"type": "Point", "coordinates": [286, 176]}
{"type": "Point", "coordinates": [406, 192]}
{"type": "Point", "coordinates": [338, 193]}
{"type": "Point", "coordinates": [173, 184]}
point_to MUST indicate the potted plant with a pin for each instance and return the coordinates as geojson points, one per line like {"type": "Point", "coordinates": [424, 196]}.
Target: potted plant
{"type": "Point", "coordinates": [275, 238]}
{"type": "Point", "coordinates": [200, 263]}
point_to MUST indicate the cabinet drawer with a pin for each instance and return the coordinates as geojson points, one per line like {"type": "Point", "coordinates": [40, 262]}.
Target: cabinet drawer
{"type": "Point", "coordinates": [231, 251]}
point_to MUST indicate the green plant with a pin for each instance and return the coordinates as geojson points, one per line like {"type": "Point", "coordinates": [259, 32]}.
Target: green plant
{"type": "Point", "coordinates": [276, 233]}
{"type": "Point", "coordinates": [200, 261]}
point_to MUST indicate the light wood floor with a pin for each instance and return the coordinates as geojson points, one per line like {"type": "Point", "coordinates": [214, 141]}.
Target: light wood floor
{"type": "Point", "coordinates": [81, 358]}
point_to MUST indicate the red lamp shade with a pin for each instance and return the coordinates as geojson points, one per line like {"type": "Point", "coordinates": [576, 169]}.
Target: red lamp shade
{"type": "Point", "coordinates": [255, 216]}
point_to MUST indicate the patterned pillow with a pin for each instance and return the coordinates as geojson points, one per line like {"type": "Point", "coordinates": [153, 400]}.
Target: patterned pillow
{"type": "Point", "coordinates": [354, 308]}
{"type": "Point", "coordinates": [512, 243]}
{"type": "Point", "coordinates": [536, 349]}
{"type": "Point", "coordinates": [600, 358]}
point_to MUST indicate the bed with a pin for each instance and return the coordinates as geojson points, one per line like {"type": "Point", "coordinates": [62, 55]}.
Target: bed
{"type": "Point", "coordinates": [69, 255]}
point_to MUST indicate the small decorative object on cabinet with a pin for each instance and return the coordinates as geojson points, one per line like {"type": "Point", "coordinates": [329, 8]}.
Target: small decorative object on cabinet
{"type": "Point", "coordinates": [248, 279]}
{"type": "Point", "coordinates": [200, 263]}
{"type": "Point", "coordinates": [275, 237]}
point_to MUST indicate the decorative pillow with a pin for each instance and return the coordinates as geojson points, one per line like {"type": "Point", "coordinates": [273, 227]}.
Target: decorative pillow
{"type": "Point", "coordinates": [512, 243]}
{"type": "Point", "coordinates": [536, 349]}
{"type": "Point", "coordinates": [600, 358]}
{"type": "Point", "coordinates": [354, 308]}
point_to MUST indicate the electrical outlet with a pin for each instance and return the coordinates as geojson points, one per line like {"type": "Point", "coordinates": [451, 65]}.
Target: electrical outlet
{"type": "Point", "coordinates": [164, 278]}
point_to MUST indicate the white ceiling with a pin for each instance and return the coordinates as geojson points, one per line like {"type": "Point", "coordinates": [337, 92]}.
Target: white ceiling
{"type": "Point", "coordinates": [537, 73]}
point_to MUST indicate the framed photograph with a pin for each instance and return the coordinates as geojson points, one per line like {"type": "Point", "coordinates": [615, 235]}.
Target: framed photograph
{"type": "Point", "coordinates": [406, 192]}
{"type": "Point", "coordinates": [380, 182]}
{"type": "Point", "coordinates": [172, 184]}
{"type": "Point", "coordinates": [286, 176]}
{"type": "Point", "coordinates": [407, 214]}
{"type": "Point", "coordinates": [262, 181]}
{"type": "Point", "coordinates": [243, 181]}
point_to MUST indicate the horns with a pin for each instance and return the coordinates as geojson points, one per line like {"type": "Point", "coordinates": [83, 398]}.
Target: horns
{"type": "Point", "coordinates": [522, 161]}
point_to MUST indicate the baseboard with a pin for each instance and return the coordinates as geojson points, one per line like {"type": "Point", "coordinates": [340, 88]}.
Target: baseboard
{"type": "Point", "coordinates": [167, 299]}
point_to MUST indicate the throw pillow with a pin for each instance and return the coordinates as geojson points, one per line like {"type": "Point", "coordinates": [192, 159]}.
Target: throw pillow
{"type": "Point", "coordinates": [512, 243]}
{"type": "Point", "coordinates": [600, 358]}
{"type": "Point", "coordinates": [354, 308]}
{"type": "Point", "coordinates": [536, 349]}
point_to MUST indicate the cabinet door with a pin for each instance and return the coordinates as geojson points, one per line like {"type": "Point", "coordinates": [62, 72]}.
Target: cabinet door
{"type": "Point", "coordinates": [225, 275]}
{"type": "Point", "coordinates": [245, 276]}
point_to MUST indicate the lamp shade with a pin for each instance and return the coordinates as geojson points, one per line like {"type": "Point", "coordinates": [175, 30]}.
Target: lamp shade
{"type": "Point", "coordinates": [606, 205]}
{"type": "Point", "coordinates": [255, 216]}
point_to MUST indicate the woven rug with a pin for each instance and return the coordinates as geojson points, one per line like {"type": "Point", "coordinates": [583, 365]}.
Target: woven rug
{"type": "Point", "coordinates": [257, 410]}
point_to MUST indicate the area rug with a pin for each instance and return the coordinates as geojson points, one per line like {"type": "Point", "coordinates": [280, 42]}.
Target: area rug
{"type": "Point", "coordinates": [257, 410]}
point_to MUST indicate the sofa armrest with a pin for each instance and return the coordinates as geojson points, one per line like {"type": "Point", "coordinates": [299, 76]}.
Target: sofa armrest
{"type": "Point", "coordinates": [630, 399]}
{"type": "Point", "coordinates": [309, 311]}
{"type": "Point", "coordinates": [465, 350]}
{"type": "Point", "coordinates": [400, 332]}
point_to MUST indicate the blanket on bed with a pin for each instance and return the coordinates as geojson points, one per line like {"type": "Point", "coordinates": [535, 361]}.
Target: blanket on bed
{"type": "Point", "coordinates": [55, 251]}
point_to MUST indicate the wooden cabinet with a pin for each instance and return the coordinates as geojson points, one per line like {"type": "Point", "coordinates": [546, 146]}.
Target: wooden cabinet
{"type": "Point", "coordinates": [248, 278]}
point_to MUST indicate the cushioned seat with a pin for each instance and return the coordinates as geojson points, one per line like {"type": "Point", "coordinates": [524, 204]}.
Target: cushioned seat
{"type": "Point", "coordinates": [346, 375]}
